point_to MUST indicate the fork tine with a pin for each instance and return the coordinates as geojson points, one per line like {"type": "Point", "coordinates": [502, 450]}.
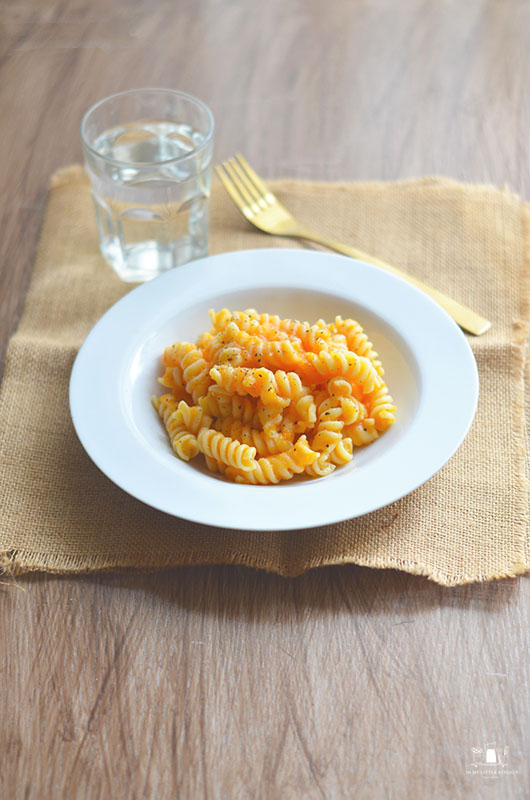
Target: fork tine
{"type": "Point", "coordinates": [257, 196]}
{"type": "Point", "coordinates": [234, 177]}
{"type": "Point", "coordinates": [267, 194]}
{"type": "Point", "coordinates": [238, 198]}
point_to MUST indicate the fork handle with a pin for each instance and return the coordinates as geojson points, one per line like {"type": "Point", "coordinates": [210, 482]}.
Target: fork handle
{"type": "Point", "coordinates": [463, 316]}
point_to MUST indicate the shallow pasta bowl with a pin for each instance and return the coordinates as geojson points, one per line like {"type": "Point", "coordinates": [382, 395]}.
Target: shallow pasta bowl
{"type": "Point", "coordinates": [429, 369]}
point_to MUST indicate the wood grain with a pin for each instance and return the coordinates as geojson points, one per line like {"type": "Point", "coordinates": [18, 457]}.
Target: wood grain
{"type": "Point", "coordinates": [223, 682]}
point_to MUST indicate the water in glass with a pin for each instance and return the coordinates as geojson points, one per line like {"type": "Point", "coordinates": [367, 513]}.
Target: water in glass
{"type": "Point", "coordinates": [151, 201]}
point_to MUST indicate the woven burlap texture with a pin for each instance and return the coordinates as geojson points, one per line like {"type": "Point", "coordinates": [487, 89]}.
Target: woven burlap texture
{"type": "Point", "coordinates": [469, 522]}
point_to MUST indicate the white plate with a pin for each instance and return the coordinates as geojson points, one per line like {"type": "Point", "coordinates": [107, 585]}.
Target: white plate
{"type": "Point", "coordinates": [429, 369]}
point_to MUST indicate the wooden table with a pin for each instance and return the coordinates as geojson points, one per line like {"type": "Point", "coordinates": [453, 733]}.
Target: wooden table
{"type": "Point", "coordinates": [225, 682]}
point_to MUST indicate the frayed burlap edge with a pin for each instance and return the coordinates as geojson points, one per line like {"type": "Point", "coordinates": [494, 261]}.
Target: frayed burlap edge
{"type": "Point", "coordinates": [15, 563]}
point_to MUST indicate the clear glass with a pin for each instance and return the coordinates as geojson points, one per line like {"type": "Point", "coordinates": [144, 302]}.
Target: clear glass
{"type": "Point", "coordinates": [148, 153]}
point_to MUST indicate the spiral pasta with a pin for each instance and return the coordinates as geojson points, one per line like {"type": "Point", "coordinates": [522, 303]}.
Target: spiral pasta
{"type": "Point", "coordinates": [382, 408]}
{"type": "Point", "coordinates": [182, 424]}
{"type": "Point", "coordinates": [190, 360]}
{"type": "Point", "coordinates": [276, 468]}
{"type": "Point", "coordinates": [264, 398]}
{"type": "Point", "coordinates": [266, 442]}
{"type": "Point", "coordinates": [279, 389]}
{"type": "Point", "coordinates": [174, 380]}
{"type": "Point", "coordinates": [225, 449]}
{"type": "Point", "coordinates": [218, 402]}
{"type": "Point", "coordinates": [357, 341]}
{"type": "Point", "coordinates": [358, 369]}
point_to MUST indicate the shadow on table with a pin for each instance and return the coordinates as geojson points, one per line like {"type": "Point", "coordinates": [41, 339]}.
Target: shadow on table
{"type": "Point", "coordinates": [242, 593]}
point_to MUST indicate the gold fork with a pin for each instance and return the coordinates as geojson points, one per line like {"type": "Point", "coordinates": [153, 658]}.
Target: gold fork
{"type": "Point", "coordinates": [265, 211]}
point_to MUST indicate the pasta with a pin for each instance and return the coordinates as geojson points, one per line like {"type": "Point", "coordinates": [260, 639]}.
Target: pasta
{"type": "Point", "coordinates": [225, 449]}
{"type": "Point", "coordinates": [276, 468]}
{"type": "Point", "coordinates": [182, 424]}
{"type": "Point", "coordinates": [264, 398]}
{"type": "Point", "coordinates": [266, 442]}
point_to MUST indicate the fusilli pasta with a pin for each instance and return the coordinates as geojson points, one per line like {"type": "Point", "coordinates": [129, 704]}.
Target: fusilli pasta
{"type": "Point", "coordinates": [265, 398]}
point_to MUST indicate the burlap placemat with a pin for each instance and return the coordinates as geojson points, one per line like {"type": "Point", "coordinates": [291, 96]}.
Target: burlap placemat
{"type": "Point", "coordinates": [59, 513]}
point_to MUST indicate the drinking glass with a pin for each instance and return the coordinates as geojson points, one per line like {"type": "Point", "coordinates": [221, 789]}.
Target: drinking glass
{"type": "Point", "coordinates": [148, 153]}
